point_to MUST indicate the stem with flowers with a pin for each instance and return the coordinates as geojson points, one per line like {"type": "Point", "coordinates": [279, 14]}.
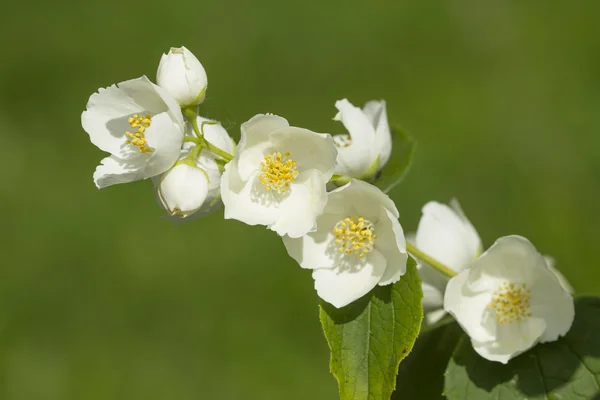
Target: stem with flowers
{"type": "Point", "coordinates": [373, 294]}
{"type": "Point", "coordinates": [412, 249]}
{"type": "Point", "coordinates": [192, 113]}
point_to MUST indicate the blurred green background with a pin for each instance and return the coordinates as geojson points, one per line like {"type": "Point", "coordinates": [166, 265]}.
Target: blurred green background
{"type": "Point", "coordinates": [102, 298]}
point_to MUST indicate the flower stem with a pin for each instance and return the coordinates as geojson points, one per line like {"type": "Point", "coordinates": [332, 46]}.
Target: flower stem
{"type": "Point", "coordinates": [430, 260]}
{"type": "Point", "coordinates": [223, 154]}
{"type": "Point", "coordinates": [192, 113]}
{"type": "Point", "coordinates": [192, 139]}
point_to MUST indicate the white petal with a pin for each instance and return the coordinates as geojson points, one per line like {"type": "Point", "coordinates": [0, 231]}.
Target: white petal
{"type": "Point", "coordinates": [353, 161]}
{"type": "Point", "coordinates": [358, 156]}
{"type": "Point", "coordinates": [433, 279]}
{"type": "Point", "coordinates": [102, 117]}
{"type": "Point", "coordinates": [315, 249]}
{"type": "Point", "coordinates": [356, 122]}
{"type": "Point", "coordinates": [512, 340]}
{"type": "Point", "coordinates": [298, 211]}
{"type": "Point", "coordinates": [255, 141]}
{"type": "Point", "coordinates": [561, 278]}
{"type": "Point", "coordinates": [216, 134]}
{"type": "Point", "coordinates": [510, 258]}
{"type": "Point", "coordinates": [444, 235]}
{"type": "Point", "coordinates": [434, 316]}
{"type": "Point", "coordinates": [244, 200]}
{"type": "Point", "coordinates": [310, 150]}
{"type": "Point", "coordinates": [377, 114]}
{"type": "Point", "coordinates": [471, 235]}
{"type": "Point", "coordinates": [433, 296]}
{"type": "Point", "coordinates": [373, 110]}
{"type": "Point", "coordinates": [208, 164]}
{"type": "Point", "coordinates": [467, 307]}
{"type": "Point", "coordinates": [153, 98]}
{"type": "Point", "coordinates": [392, 245]}
{"type": "Point", "coordinates": [550, 301]}
{"type": "Point", "coordinates": [342, 286]}
{"type": "Point", "coordinates": [490, 351]}
{"type": "Point", "coordinates": [361, 199]}
{"type": "Point", "coordinates": [165, 138]}
{"type": "Point", "coordinates": [113, 170]}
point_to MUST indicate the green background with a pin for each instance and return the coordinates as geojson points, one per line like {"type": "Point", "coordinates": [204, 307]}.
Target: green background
{"type": "Point", "coordinates": [102, 298]}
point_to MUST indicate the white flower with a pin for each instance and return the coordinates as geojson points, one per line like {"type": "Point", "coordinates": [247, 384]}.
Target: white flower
{"type": "Point", "coordinates": [509, 300]}
{"type": "Point", "coordinates": [140, 124]}
{"type": "Point", "coordinates": [445, 234]}
{"type": "Point", "coordinates": [182, 75]}
{"type": "Point", "coordinates": [358, 244]}
{"type": "Point", "coordinates": [183, 189]}
{"type": "Point", "coordinates": [278, 176]}
{"type": "Point", "coordinates": [208, 162]}
{"type": "Point", "coordinates": [367, 149]}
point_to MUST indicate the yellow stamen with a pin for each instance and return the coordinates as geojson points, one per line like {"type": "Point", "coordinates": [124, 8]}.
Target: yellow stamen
{"type": "Point", "coordinates": [355, 236]}
{"type": "Point", "coordinates": [137, 138]}
{"type": "Point", "coordinates": [341, 141]}
{"type": "Point", "coordinates": [511, 302]}
{"type": "Point", "coordinates": [278, 171]}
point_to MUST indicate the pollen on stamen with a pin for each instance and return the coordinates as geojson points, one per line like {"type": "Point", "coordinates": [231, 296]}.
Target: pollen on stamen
{"type": "Point", "coordinates": [511, 301]}
{"type": "Point", "coordinates": [341, 141]}
{"type": "Point", "coordinates": [278, 172]}
{"type": "Point", "coordinates": [137, 138]}
{"type": "Point", "coordinates": [355, 236]}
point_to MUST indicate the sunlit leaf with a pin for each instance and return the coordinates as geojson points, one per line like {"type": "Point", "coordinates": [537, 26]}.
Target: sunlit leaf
{"type": "Point", "coordinates": [370, 337]}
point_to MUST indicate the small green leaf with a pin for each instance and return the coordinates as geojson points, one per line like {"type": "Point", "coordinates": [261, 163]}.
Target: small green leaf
{"type": "Point", "coordinates": [370, 337]}
{"type": "Point", "coordinates": [403, 147]}
{"type": "Point", "coordinates": [568, 368]}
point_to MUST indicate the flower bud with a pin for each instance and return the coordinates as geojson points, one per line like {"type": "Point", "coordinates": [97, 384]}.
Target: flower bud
{"type": "Point", "coordinates": [182, 190]}
{"type": "Point", "coordinates": [368, 146]}
{"type": "Point", "coordinates": [182, 75]}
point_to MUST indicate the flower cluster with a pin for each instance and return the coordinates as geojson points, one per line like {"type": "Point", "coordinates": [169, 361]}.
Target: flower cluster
{"type": "Point", "coordinates": [507, 298]}
{"type": "Point", "coordinates": [151, 131]}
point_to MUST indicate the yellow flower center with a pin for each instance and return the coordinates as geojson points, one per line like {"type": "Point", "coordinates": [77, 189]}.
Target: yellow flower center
{"type": "Point", "coordinates": [354, 236]}
{"type": "Point", "coordinates": [511, 302]}
{"type": "Point", "coordinates": [137, 137]}
{"type": "Point", "coordinates": [278, 171]}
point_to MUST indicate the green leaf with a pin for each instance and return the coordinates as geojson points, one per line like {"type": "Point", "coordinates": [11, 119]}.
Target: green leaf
{"type": "Point", "coordinates": [403, 147]}
{"type": "Point", "coordinates": [568, 368]}
{"type": "Point", "coordinates": [370, 337]}
{"type": "Point", "coordinates": [421, 374]}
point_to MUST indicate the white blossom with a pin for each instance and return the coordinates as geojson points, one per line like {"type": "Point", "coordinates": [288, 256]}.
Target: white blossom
{"type": "Point", "coordinates": [358, 244]}
{"type": "Point", "coordinates": [445, 234]}
{"type": "Point", "coordinates": [139, 124]}
{"type": "Point", "coordinates": [207, 163]}
{"type": "Point", "coordinates": [367, 147]}
{"type": "Point", "coordinates": [183, 76]}
{"type": "Point", "coordinates": [509, 300]}
{"type": "Point", "coordinates": [278, 176]}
